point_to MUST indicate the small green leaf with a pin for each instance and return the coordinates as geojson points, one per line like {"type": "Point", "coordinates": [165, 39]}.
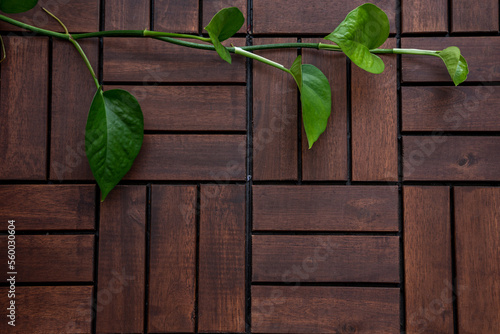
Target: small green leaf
{"type": "Point", "coordinates": [17, 6]}
{"type": "Point", "coordinates": [223, 25]}
{"type": "Point", "coordinates": [365, 28]}
{"type": "Point", "coordinates": [113, 136]}
{"type": "Point", "coordinates": [315, 97]}
{"type": "Point", "coordinates": [455, 63]}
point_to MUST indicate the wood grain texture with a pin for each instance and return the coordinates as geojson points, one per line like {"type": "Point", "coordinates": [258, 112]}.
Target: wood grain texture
{"type": "Point", "coordinates": [427, 249]}
{"type": "Point", "coordinates": [48, 207]}
{"type": "Point", "coordinates": [325, 208]}
{"type": "Point", "coordinates": [127, 14]}
{"type": "Point", "coordinates": [23, 137]}
{"type": "Point", "coordinates": [483, 66]}
{"type": "Point", "coordinates": [308, 309]}
{"type": "Point", "coordinates": [172, 277]}
{"type": "Point", "coordinates": [309, 17]}
{"type": "Point", "coordinates": [477, 235]}
{"type": "Point", "coordinates": [72, 92]}
{"type": "Point", "coordinates": [274, 116]}
{"type": "Point", "coordinates": [451, 158]}
{"type": "Point", "coordinates": [120, 289]}
{"type": "Point", "coordinates": [221, 292]}
{"type": "Point", "coordinates": [451, 108]}
{"type": "Point", "coordinates": [191, 108]}
{"type": "Point", "coordinates": [190, 157]}
{"type": "Point", "coordinates": [52, 258]}
{"type": "Point", "coordinates": [374, 122]}
{"type": "Point", "coordinates": [49, 309]}
{"type": "Point", "coordinates": [327, 160]}
{"type": "Point", "coordinates": [176, 16]}
{"type": "Point", "coordinates": [470, 16]}
{"type": "Point", "coordinates": [211, 7]}
{"type": "Point", "coordinates": [283, 258]}
{"type": "Point", "coordinates": [149, 60]}
{"type": "Point", "coordinates": [419, 16]}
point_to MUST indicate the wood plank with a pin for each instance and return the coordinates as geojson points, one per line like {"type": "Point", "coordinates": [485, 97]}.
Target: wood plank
{"type": "Point", "coordinates": [72, 92]}
{"type": "Point", "coordinates": [327, 160]}
{"type": "Point", "coordinates": [310, 309]}
{"type": "Point", "coordinates": [221, 293]}
{"type": "Point", "coordinates": [190, 157]}
{"type": "Point", "coordinates": [451, 108]}
{"type": "Point", "coordinates": [318, 17]}
{"type": "Point", "coordinates": [419, 16]}
{"type": "Point", "coordinates": [211, 7]}
{"type": "Point", "coordinates": [49, 309]}
{"type": "Point", "coordinates": [374, 122]}
{"type": "Point", "coordinates": [134, 59]}
{"type": "Point", "coordinates": [48, 207]}
{"type": "Point", "coordinates": [176, 16]}
{"type": "Point", "coordinates": [191, 108]}
{"type": "Point", "coordinates": [482, 65]}
{"type": "Point", "coordinates": [470, 16]}
{"type": "Point", "coordinates": [23, 137]}
{"type": "Point", "coordinates": [120, 289]}
{"type": "Point", "coordinates": [451, 158]}
{"type": "Point", "coordinates": [427, 249]}
{"type": "Point", "coordinates": [126, 14]}
{"type": "Point", "coordinates": [477, 235]}
{"type": "Point", "coordinates": [298, 258]}
{"type": "Point", "coordinates": [51, 258]}
{"type": "Point", "coordinates": [325, 208]}
{"type": "Point", "coordinates": [172, 278]}
{"type": "Point", "coordinates": [274, 116]}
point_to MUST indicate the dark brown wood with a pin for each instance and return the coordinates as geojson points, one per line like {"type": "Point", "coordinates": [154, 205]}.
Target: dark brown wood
{"type": "Point", "coordinates": [72, 92]}
{"type": "Point", "coordinates": [128, 14]}
{"type": "Point", "coordinates": [477, 235]}
{"type": "Point", "coordinates": [49, 309]}
{"type": "Point", "coordinates": [451, 158]}
{"type": "Point", "coordinates": [374, 122]}
{"type": "Point", "coordinates": [172, 277]}
{"type": "Point", "coordinates": [221, 292]}
{"type": "Point", "coordinates": [308, 309]}
{"type": "Point", "coordinates": [51, 258]}
{"type": "Point", "coordinates": [211, 7]}
{"type": "Point", "coordinates": [176, 16]}
{"type": "Point", "coordinates": [48, 207]}
{"type": "Point", "coordinates": [149, 60]}
{"type": "Point", "coordinates": [318, 17]}
{"type": "Point", "coordinates": [282, 258]}
{"type": "Point", "coordinates": [190, 157]}
{"type": "Point", "coordinates": [122, 246]}
{"type": "Point", "coordinates": [327, 160]}
{"type": "Point", "coordinates": [191, 108]}
{"type": "Point", "coordinates": [424, 16]}
{"type": "Point", "coordinates": [427, 250]}
{"type": "Point", "coordinates": [23, 137]}
{"type": "Point", "coordinates": [274, 116]}
{"type": "Point", "coordinates": [482, 65]}
{"type": "Point", "coordinates": [451, 108]}
{"type": "Point", "coordinates": [325, 208]}
{"type": "Point", "coordinates": [470, 16]}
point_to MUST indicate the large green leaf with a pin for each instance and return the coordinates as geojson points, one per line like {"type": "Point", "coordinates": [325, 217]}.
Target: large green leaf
{"type": "Point", "coordinates": [113, 136]}
{"type": "Point", "coordinates": [223, 25]}
{"type": "Point", "coordinates": [315, 97]}
{"type": "Point", "coordinates": [17, 6]}
{"type": "Point", "coordinates": [455, 63]}
{"type": "Point", "coordinates": [364, 28]}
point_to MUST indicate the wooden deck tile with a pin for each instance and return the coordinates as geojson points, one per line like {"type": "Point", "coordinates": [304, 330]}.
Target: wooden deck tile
{"type": "Point", "coordinates": [176, 16]}
{"type": "Point", "coordinates": [419, 16]}
{"type": "Point", "coordinates": [127, 14]}
{"type": "Point", "coordinates": [469, 16]}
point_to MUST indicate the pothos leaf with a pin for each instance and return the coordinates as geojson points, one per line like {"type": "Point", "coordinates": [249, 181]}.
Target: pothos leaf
{"type": "Point", "coordinates": [223, 25]}
{"type": "Point", "coordinates": [455, 63]}
{"type": "Point", "coordinates": [17, 6]}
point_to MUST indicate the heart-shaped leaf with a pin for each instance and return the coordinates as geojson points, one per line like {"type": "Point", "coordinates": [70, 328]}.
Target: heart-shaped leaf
{"type": "Point", "coordinates": [455, 63]}
{"type": "Point", "coordinates": [17, 6]}
{"type": "Point", "coordinates": [366, 27]}
{"type": "Point", "coordinates": [113, 136]}
{"type": "Point", "coordinates": [223, 25]}
{"type": "Point", "coordinates": [315, 97]}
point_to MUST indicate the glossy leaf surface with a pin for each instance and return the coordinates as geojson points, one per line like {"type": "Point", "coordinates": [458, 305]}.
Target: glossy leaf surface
{"type": "Point", "coordinates": [17, 6]}
{"type": "Point", "coordinates": [223, 25]}
{"type": "Point", "coordinates": [455, 63]}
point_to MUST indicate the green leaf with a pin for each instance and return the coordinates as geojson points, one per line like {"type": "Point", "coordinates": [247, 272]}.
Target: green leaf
{"type": "Point", "coordinates": [315, 97]}
{"type": "Point", "coordinates": [364, 28]}
{"type": "Point", "coordinates": [223, 25]}
{"type": "Point", "coordinates": [113, 136]}
{"type": "Point", "coordinates": [455, 63]}
{"type": "Point", "coordinates": [17, 6]}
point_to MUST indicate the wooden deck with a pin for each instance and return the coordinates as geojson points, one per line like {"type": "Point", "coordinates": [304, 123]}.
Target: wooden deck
{"type": "Point", "coordinates": [227, 223]}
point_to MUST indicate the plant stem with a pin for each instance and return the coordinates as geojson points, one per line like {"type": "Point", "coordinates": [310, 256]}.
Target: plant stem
{"type": "Point", "coordinates": [150, 33]}
{"type": "Point", "coordinates": [34, 29]}
{"type": "Point", "coordinates": [407, 52]}
{"type": "Point", "coordinates": [86, 60]}
{"type": "Point", "coordinates": [245, 53]}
